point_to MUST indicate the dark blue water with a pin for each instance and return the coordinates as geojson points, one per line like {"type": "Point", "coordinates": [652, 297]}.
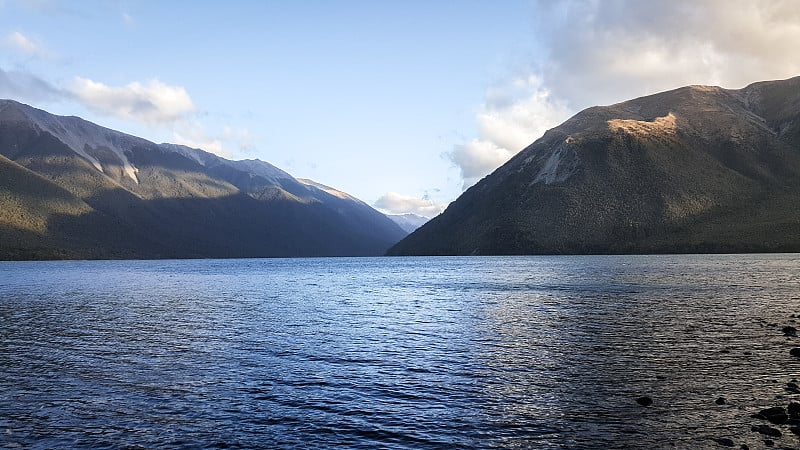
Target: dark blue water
{"type": "Point", "coordinates": [522, 352]}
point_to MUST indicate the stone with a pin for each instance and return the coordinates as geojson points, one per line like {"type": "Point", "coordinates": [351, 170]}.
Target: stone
{"type": "Point", "coordinates": [725, 442]}
{"type": "Point", "coordinates": [644, 401]}
{"type": "Point", "coordinates": [789, 331]}
{"type": "Point", "coordinates": [776, 415]}
{"type": "Point", "coordinates": [769, 442]}
{"type": "Point", "coordinates": [793, 409]}
{"type": "Point", "coordinates": [766, 430]}
{"type": "Point", "coordinates": [795, 352]}
{"type": "Point", "coordinates": [720, 401]}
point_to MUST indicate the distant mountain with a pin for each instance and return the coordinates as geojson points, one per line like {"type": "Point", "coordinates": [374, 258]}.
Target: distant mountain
{"type": "Point", "coordinates": [73, 189]}
{"type": "Point", "coordinates": [408, 222]}
{"type": "Point", "coordinates": [697, 169]}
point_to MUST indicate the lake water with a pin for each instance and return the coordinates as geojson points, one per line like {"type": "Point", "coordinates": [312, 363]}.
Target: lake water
{"type": "Point", "coordinates": [478, 352]}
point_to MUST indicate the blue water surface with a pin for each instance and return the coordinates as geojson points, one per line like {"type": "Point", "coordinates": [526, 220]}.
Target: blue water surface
{"type": "Point", "coordinates": [475, 352]}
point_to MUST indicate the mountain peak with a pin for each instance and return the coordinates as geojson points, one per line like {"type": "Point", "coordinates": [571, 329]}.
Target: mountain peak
{"type": "Point", "coordinates": [106, 194]}
{"type": "Point", "coordinates": [408, 221]}
{"type": "Point", "coordinates": [694, 169]}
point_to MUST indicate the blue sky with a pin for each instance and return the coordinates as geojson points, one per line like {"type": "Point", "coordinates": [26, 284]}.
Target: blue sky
{"type": "Point", "coordinates": [400, 103]}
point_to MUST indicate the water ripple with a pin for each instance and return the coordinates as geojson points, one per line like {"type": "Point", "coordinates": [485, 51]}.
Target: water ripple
{"type": "Point", "coordinates": [523, 352]}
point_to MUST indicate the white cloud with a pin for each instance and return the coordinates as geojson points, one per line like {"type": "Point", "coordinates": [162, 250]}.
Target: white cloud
{"type": "Point", "coordinates": [25, 45]}
{"type": "Point", "coordinates": [603, 52]}
{"type": "Point", "coordinates": [477, 158]}
{"type": "Point", "coordinates": [242, 138]}
{"type": "Point", "coordinates": [227, 143]}
{"type": "Point", "coordinates": [513, 116]}
{"type": "Point", "coordinates": [195, 137]}
{"type": "Point", "coordinates": [152, 103]}
{"type": "Point", "coordinates": [394, 203]}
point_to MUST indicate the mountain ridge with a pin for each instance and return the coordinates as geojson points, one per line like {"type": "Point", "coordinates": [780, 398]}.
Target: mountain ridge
{"type": "Point", "coordinates": [695, 169]}
{"type": "Point", "coordinates": [148, 200]}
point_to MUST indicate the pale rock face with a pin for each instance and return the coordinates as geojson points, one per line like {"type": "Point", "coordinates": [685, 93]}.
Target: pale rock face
{"type": "Point", "coordinates": [559, 166]}
{"type": "Point", "coordinates": [334, 192]}
{"type": "Point", "coordinates": [260, 168]}
{"type": "Point", "coordinates": [661, 125]}
{"type": "Point", "coordinates": [188, 152]}
{"type": "Point", "coordinates": [84, 138]}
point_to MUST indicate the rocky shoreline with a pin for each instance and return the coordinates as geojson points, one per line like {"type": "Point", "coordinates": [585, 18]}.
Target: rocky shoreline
{"type": "Point", "coordinates": [775, 427]}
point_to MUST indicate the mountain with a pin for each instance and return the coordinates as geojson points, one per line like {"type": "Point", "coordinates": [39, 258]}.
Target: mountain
{"type": "Point", "coordinates": [696, 169]}
{"type": "Point", "coordinates": [408, 222]}
{"type": "Point", "coordinates": [73, 189]}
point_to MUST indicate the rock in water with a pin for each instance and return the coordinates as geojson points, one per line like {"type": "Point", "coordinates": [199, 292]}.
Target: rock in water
{"type": "Point", "coordinates": [794, 410]}
{"type": "Point", "coordinates": [725, 442]}
{"type": "Point", "coordinates": [720, 401]}
{"type": "Point", "coordinates": [766, 430]}
{"type": "Point", "coordinates": [776, 415]}
{"type": "Point", "coordinates": [789, 331]}
{"type": "Point", "coordinates": [795, 352]}
{"type": "Point", "coordinates": [644, 401]}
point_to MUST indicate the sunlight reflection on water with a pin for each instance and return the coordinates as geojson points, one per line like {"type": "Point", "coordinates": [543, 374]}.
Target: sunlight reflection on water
{"type": "Point", "coordinates": [543, 352]}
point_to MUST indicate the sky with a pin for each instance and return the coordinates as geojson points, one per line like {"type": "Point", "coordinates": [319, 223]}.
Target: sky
{"type": "Point", "coordinates": [403, 104]}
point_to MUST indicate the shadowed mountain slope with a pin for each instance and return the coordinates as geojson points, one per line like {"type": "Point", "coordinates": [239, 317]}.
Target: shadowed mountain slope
{"type": "Point", "coordinates": [696, 169]}
{"type": "Point", "coordinates": [73, 189]}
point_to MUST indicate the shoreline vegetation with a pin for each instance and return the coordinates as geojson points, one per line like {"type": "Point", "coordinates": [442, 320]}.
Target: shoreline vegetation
{"type": "Point", "coordinates": [22, 255]}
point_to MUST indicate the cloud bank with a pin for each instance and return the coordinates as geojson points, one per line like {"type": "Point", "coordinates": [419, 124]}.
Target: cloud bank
{"type": "Point", "coordinates": [394, 203]}
{"type": "Point", "coordinates": [152, 103]}
{"type": "Point", "coordinates": [602, 52]}
{"type": "Point", "coordinates": [512, 117]}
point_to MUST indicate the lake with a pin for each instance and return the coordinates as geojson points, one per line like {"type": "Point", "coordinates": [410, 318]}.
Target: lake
{"type": "Point", "coordinates": [472, 352]}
